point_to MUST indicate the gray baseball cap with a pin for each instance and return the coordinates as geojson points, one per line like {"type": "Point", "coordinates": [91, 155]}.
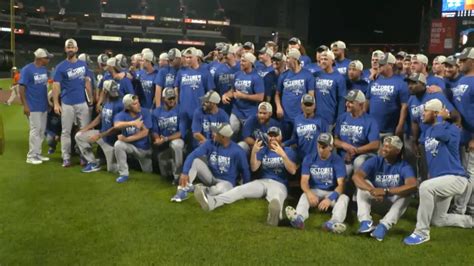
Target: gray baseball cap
{"type": "Point", "coordinates": [274, 130]}
{"type": "Point", "coordinates": [395, 141]}
{"type": "Point", "coordinates": [416, 77]}
{"type": "Point", "coordinates": [326, 139]}
{"type": "Point", "coordinates": [249, 45]}
{"type": "Point", "coordinates": [307, 98]}
{"type": "Point", "coordinates": [111, 87]}
{"type": "Point", "coordinates": [279, 57]}
{"type": "Point", "coordinates": [223, 129]}
{"type": "Point", "coordinates": [211, 96]}
{"type": "Point", "coordinates": [43, 53]}
{"type": "Point", "coordinates": [128, 100]}
{"type": "Point", "coordinates": [467, 53]}
{"type": "Point", "coordinates": [168, 93]}
{"type": "Point", "coordinates": [450, 60]}
{"type": "Point", "coordinates": [355, 96]}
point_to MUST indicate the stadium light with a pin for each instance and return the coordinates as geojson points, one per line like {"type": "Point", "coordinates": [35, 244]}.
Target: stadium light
{"type": "Point", "coordinates": [86, 15]}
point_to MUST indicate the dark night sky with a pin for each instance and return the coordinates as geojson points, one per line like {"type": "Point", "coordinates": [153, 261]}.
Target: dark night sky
{"type": "Point", "coordinates": [355, 21]}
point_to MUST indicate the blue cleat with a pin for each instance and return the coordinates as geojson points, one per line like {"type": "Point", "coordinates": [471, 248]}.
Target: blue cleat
{"type": "Point", "coordinates": [91, 167]}
{"type": "Point", "coordinates": [180, 196]}
{"type": "Point", "coordinates": [67, 163]}
{"type": "Point", "coordinates": [334, 227]}
{"type": "Point", "coordinates": [415, 239]}
{"type": "Point", "coordinates": [379, 232]}
{"type": "Point", "coordinates": [296, 220]}
{"type": "Point", "coordinates": [366, 227]}
{"type": "Point", "coordinates": [121, 179]}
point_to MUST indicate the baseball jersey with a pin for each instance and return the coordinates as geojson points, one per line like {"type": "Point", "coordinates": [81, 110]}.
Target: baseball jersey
{"type": "Point", "coordinates": [203, 122]}
{"type": "Point", "coordinates": [463, 100]}
{"type": "Point", "coordinates": [224, 77]}
{"type": "Point", "coordinates": [147, 82]}
{"type": "Point", "coordinates": [305, 134]}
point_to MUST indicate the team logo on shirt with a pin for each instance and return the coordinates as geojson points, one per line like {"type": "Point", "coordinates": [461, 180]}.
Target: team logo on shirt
{"type": "Point", "coordinates": [40, 79]}
{"type": "Point", "coordinates": [243, 86]}
{"type": "Point", "coordinates": [417, 110]}
{"type": "Point", "coordinates": [342, 70]}
{"type": "Point", "coordinates": [324, 85]}
{"type": "Point", "coordinates": [192, 81]}
{"type": "Point", "coordinates": [431, 146]}
{"type": "Point", "coordinates": [306, 131]}
{"type": "Point", "coordinates": [322, 174]}
{"type": "Point", "coordinates": [207, 125]}
{"type": "Point", "coordinates": [274, 164]}
{"type": "Point", "coordinates": [384, 92]}
{"type": "Point", "coordinates": [147, 86]}
{"type": "Point", "coordinates": [262, 73]}
{"type": "Point", "coordinates": [169, 80]}
{"type": "Point", "coordinates": [169, 124]}
{"type": "Point", "coordinates": [353, 132]}
{"type": "Point", "coordinates": [226, 78]}
{"type": "Point", "coordinates": [387, 181]}
{"type": "Point", "coordinates": [459, 90]}
{"type": "Point", "coordinates": [297, 86]}
{"type": "Point", "coordinates": [222, 163]}
{"type": "Point", "coordinates": [107, 115]}
{"type": "Point", "coordinates": [76, 73]}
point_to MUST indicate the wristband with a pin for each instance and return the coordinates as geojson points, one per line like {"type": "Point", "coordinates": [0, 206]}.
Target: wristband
{"type": "Point", "coordinates": [333, 196]}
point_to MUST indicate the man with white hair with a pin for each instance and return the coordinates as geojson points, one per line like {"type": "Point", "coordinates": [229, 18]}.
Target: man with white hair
{"type": "Point", "coordinates": [447, 176]}
{"type": "Point", "coordinates": [330, 90]}
{"type": "Point", "coordinates": [342, 63]}
{"type": "Point", "coordinates": [388, 96]}
{"type": "Point", "coordinates": [291, 87]}
{"type": "Point", "coordinates": [247, 92]}
{"type": "Point", "coordinates": [135, 124]}
{"type": "Point", "coordinates": [70, 82]}
{"type": "Point", "coordinates": [167, 75]}
{"type": "Point", "coordinates": [34, 96]}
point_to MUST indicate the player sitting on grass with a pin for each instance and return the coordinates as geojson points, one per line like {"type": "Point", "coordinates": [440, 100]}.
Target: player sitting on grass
{"type": "Point", "coordinates": [226, 161]}
{"type": "Point", "coordinates": [384, 179]}
{"type": "Point", "coordinates": [276, 163]}
{"type": "Point", "coordinates": [322, 181]}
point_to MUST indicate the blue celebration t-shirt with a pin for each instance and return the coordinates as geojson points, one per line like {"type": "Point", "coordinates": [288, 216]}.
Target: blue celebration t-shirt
{"type": "Point", "coordinates": [323, 173]}
{"type": "Point", "coordinates": [385, 175]}
{"type": "Point", "coordinates": [72, 77]}
{"type": "Point", "coordinates": [253, 129]}
{"type": "Point", "coordinates": [357, 131]}
{"type": "Point", "coordinates": [305, 134]}
{"type": "Point", "coordinates": [35, 80]}
{"type": "Point", "coordinates": [247, 83]}
{"type": "Point", "coordinates": [292, 86]}
{"type": "Point", "coordinates": [144, 115]}
{"type": "Point", "coordinates": [463, 100]}
{"type": "Point", "coordinates": [108, 113]}
{"type": "Point", "coordinates": [166, 122]}
{"type": "Point", "coordinates": [147, 81]}
{"type": "Point", "coordinates": [204, 122]}
{"type": "Point", "coordinates": [272, 164]}
{"type": "Point", "coordinates": [330, 90]}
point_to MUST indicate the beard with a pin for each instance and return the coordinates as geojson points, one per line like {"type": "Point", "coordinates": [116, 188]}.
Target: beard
{"type": "Point", "coordinates": [70, 54]}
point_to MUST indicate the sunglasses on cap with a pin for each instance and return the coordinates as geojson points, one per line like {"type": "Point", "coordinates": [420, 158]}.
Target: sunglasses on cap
{"type": "Point", "coordinates": [308, 104]}
{"type": "Point", "coordinates": [171, 98]}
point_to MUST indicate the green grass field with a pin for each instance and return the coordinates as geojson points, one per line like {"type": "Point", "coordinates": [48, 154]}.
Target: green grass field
{"type": "Point", "coordinates": [55, 216]}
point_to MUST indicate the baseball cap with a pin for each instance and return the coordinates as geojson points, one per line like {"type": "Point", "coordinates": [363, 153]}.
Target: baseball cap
{"type": "Point", "coordinates": [355, 96]}
{"type": "Point", "coordinates": [164, 56]}
{"type": "Point", "coordinates": [328, 54]}
{"type": "Point", "coordinates": [307, 98]}
{"type": "Point", "coordinates": [147, 50]}
{"type": "Point", "coordinates": [249, 57]}
{"type": "Point", "coordinates": [416, 77]}
{"type": "Point", "coordinates": [421, 58]}
{"type": "Point", "coordinates": [377, 54]}
{"type": "Point", "coordinates": [136, 57]}
{"type": "Point", "coordinates": [440, 59]}
{"type": "Point", "coordinates": [401, 55]}
{"type": "Point", "coordinates": [174, 53]}
{"type": "Point", "coordinates": [223, 129]}
{"type": "Point", "coordinates": [387, 58]}
{"type": "Point", "coordinates": [14, 68]}
{"type": "Point", "coordinates": [122, 60]}
{"type": "Point", "coordinates": [294, 40]}
{"type": "Point", "coordinates": [249, 45]}
{"type": "Point", "coordinates": [294, 53]}
{"type": "Point", "coordinates": [326, 139]}
{"type": "Point", "coordinates": [266, 50]}
{"type": "Point", "coordinates": [450, 60]}
{"type": "Point", "coordinates": [229, 49]}
{"type": "Point", "coordinates": [199, 53]}
{"type": "Point", "coordinates": [266, 107]}
{"type": "Point", "coordinates": [168, 93]}
{"type": "Point", "coordinates": [111, 62]}
{"type": "Point", "coordinates": [467, 53]}
{"type": "Point", "coordinates": [408, 57]}
{"type": "Point", "coordinates": [211, 96]}
{"type": "Point", "coordinates": [148, 56]}
{"type": "Point", "coordinates": [322, 48]}
{"type": "Point", "coordinates": [220, 46]}
{"type": "Point", "coordinates": [270, 44]}
{"type": "Point", "coordinates": [274, 130]}
{"type": "Point", "coordinates": [191, 51]}
{"type": "Point", "coordinates": [70, 42]}
{"type": "Point", "coordinates": [433, 105]}
{"type": "Point", "coordinates": [42, 53]}
{"type": "Point", "coordinates": [128, 100]}
{"type": "Point", "coordinates": [357, 65]}
{"type": "Point", "coordinates": [111, 87]}
{"type": "Point", "coordinates": [338, 45]}
{"type": "Point", "coordinates": [395, 141]}
{"type": "Point", "coordinates": [85, 57]}
{"type": "Point", "coordinates": [102, 59]}
{"type": "Point", "coordinates": [279, 57]}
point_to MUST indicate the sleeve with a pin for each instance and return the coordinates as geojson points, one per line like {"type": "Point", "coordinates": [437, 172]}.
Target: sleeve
{"type": "Point", "coordinates": [159, 79]}
{"type": "Point", "coordinates": [374, 132]}
{"type": "Point", "coordinates": [293, 139]}
{"type": "Point", "coordinates": [177, 80]}
{"type": "Point", "coordinates": [260, 154]}
{"type": "Point", "coordinates": [310, 83]}
{"type": "Point", "coordinates": [247, 129]}
{"type": "Point", "coordinates": [280, 83]}
{"type": "Point", "coordinates": [368, 167]}
{"type": "Point", "coordinates": [340, 168]}
{"type": "Point", "coordinates": [155, 117]}
{"type": "Point", "coordinates": [58, 77]}
{"type": "Point", "coordinates": [403, 94]}
{"type": "Point", "coordinates": [24, 76]}
{"type": "Point", "coordinates": [196, 125]}
{"type": "Point", "coordinates": [337, 129]}
{"type": "Point", "coordinates": [407, 172]}
{"type": "Point", "coordinates": [306, 165]}
{"type": "Point", "coordinates": [291, 155]}
{"type": "Point", "coordinates": [128, 86]}
{"type": "Point", "coordinates": [445, 101]}
{"type": "Point", "coordinates": [258, 84]}
{"type": "Point", "coordinates": [118, 117]}
{"type": "Point", "coordinates": [209, 82]}
{"type": "Point", "coordinates": [147, 120]}
{"type": "Point", "coordinates": [198, 152]}
{"type": "Point", "coordinates": [244, 166]}
{"type": "Point", "coordinates": [442, 131]}
{"type": "Point", "coordinates": [341, 93]}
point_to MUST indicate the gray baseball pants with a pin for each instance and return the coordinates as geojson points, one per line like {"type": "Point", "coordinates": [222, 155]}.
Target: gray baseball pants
{"type": "Point", "coordinates": [215, 186]}
{"type": "Point", "coordinates": [82, 140]}
{"type": "Point", "coordinates": [121, 149]}
{"type": "Point", "coordinates": [339, 207]}
{"type": "Point", "coordinates": [465, 203]}
{"type": "Point", "coordinates": [69, 115]}
{"type": "Point", "coordinates": [37, 121]}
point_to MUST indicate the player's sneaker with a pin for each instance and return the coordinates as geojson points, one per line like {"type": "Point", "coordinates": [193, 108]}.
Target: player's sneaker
{"type": "Point", "coordinates": [273, 212]}
{"type": "Point", "coordinates": [51, 151]}
{"type": "Point", "coordinates": [66, 163]}
{"type": "Point", "coordinates": [415, 239]}
{"type": "Point", "coordinates": [43, 158]}
{"type": "Point", "coordinates": [334, 227]}
{"type": "Point", "coordinates": [121, 179]}
{"type": "Point", "coordinates": [296, 220]}
{"type": "Point", "coordinates": [91, 167]}
{"type": "Point", "coordinates": [379, 232]}
{"type": "Point", "coordinates": [366, 227]}
{"type": "Point", "coordinates": [34, 160]}
{"type": "Point", "coordinates": [181, 195]}
{"type": "Point", "coordinates": [83, 161]}
{"type": "Point", "coordinates": [201, 197]}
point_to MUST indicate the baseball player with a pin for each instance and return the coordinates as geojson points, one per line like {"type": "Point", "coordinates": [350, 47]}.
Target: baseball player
{"type": "Point", "coordinates": [104, 137]}
{"type": "Point", "coordinates": [355, 77]}
{"type": "Point", "coordinates": [419, 64]}
{"type": "Point", "coordinates": [295, 43]}
{"type": "Point", "coordinates": [166, 76]}
{"type": "Point", "coordinates": [322, 180]}
{"type": "Point", "coordinates": [276, 163]}
{"type": "Point", "coordinates": [265, 57]}
{"type": "Point", "coordinates": [385, 179]}
{"type": "Point", "coordinates": [342, 63]}
{"type": "Point", "coordinates": [447, 176]}
{"type": "Point", "coordinates": [224, 75]}
{"type": "Point", "coordinates": [452, 75]}
{"type": "Point", "coordinates": [70, 80]}
{"type": "Point", "coordinates": [224, 163]}
{"type": "Point", "coordinates": [147, 81]}
{"type": "Point", "coordinates": [135, 124]}
{"type": "Point", "coordinates": [34, 96]}
{"type": "Point", "coordinates": [314, 67]}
